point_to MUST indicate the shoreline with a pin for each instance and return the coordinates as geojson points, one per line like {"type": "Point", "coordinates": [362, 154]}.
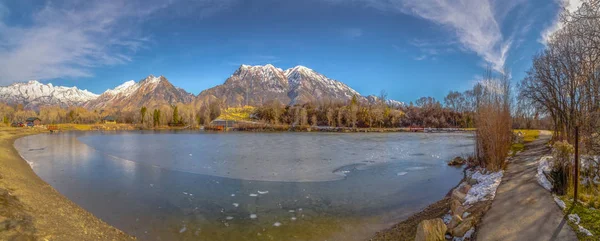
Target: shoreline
{"type": "Point", "coordinates": [35, 210]}
{"type": "Point", "coordinates": [252, 128]}
{"type": "Point", "coordinates": [407, 228]}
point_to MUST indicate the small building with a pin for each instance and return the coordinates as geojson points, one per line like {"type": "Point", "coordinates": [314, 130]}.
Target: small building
{"type": "Point", "coordinates": [222, 125]}
{"type": "Point", "coordinates": [33, 121]}
{"type": "Point", "coordinates": [109, 120]}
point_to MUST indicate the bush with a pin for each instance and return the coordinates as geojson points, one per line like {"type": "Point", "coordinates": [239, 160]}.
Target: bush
{"type": "Point", "coordinates": [562, 167]}
{"type": "Point", "coordinates": [493, 121]}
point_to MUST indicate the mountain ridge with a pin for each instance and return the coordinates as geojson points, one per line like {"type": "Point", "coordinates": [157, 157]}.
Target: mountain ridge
{"type": "Point", "coordinates": [248, 85]}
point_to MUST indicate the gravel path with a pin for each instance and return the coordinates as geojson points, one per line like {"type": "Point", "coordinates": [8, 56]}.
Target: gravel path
{"type": "Point", "coordinates": [522, 209]}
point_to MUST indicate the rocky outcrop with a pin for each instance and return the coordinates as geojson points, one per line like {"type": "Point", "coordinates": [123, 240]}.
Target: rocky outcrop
{"type": "Point", "coordinates": [431, 230]}
{"type": "Point", "coordinates": [457, 161]}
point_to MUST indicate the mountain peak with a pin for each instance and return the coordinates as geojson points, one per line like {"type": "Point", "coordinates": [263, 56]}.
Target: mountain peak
{"type": "Point", "coordinates": [127, 87]}
{"type": "Point", "coordinates": [153, 79]}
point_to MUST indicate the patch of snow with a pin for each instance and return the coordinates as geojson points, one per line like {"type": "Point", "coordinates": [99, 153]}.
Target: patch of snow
{"type": "Point", "coordinates": [401, 173]}
{"type": "Point", "coordinates": [574, 218]}
{"type": "Point", "coordinates": [126, 88]}
{"type": "Point", "coordinates": [229, 218]}
{"type": "Point", "coordinates": [183, 229]}
{"type": "Point", "coordinates": [263, 192]}
{"type": "Point", "coordinates": [253, 216]}
{"type": "Point", "coordinates": [467, 236]}
{"type": "Point", "coordinates": [447, 218]}
{"type": "Point", "coordinates": [466, 214]}
{"type": "Point", "coordinates": [277, 224]}
{"type": "Point", "coordinates": [253, 195]}
{"type": "Point", "coordinates": [559, 202]}
{"type": "Point", "coordinates": [293, 218]}
{"type": "Point", "coordinates": [236, 205]}
{"type": "Point", "coordinates": [486, 187]}
{"type": "Point", "coordinates": [233, 195]}
{"type": "Point", "coordinates": [544, 166]}
{"type": "Point", "coordinates": [416, 168]}
{"type": "Point", "coordinates": [585, 231]}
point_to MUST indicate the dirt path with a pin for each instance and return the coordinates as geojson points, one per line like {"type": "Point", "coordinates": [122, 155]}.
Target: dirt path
{"type": "Point", "coordinates": [522, 209]}
{"type": "Point", "coordinates": [30, 209]}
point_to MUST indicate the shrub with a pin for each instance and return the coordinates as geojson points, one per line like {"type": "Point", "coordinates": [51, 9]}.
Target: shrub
{"type": "Point", "coordinates": [493, 121]}
{"type": "Point", "coordinates": [562, 167]}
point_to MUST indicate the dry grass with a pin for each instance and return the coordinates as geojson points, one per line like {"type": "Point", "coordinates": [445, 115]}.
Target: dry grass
{"type": "Point", "coordinates": [493, 122]}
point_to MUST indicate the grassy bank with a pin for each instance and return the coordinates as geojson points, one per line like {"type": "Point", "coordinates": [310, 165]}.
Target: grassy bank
{"type": "Point", "coordinates": [589, 215]}
{"type": "Point", "coordinates": [30, 209]}
{"type": "Point", "coordinates": [526, 136]}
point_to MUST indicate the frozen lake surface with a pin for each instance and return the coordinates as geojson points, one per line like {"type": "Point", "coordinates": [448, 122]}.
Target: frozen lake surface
{"type": "Point", "coordinates": [248, 186]}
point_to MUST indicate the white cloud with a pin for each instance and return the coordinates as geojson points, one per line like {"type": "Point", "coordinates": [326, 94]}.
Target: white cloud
{"type": "Point", "coordinates": [476, 23]}
{"type": "Point", "coordinates": [71, 38]}
{"type": "Point", "coordinates": [565, 5]}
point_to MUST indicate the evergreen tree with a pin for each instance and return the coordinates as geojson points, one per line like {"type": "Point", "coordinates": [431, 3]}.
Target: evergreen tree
{"type": "Point", "coordinates": [143, 112]}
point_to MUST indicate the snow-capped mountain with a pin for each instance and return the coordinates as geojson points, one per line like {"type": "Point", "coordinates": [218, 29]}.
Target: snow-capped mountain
{"type": "Point", "coordinates": [248, 85]}
{"type": "Point", "coordinates": [392, 103]}
{"type": "Point", "coordinates": [251, 85]}
{"type": "Point", "coordinates": [256, 85]}
{"type": "Point", "coordinates": [34, 94]}
{"type": "Point", "coordinates": [150, 92]}
{"type": "Point", "coordinates": [306, 85]}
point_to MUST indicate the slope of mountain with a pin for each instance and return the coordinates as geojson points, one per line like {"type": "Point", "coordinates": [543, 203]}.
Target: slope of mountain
{"type": "Point", "coordinates": [306, 85]}
{"type": "Point", "coordinates": [255, 85]}
{"type": "Point", "coordinates": [34, 94]}
{"type": "Point", "coordinates": [251, 85]}
{"type": "Point", "coordinates": [150, 92]}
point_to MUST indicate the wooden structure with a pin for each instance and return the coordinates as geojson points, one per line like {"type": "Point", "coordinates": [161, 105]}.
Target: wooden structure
{"type": "Point", "coordinates": [109, 120]}
{"type": "Point", "coordinates": [221, 125]}
{"type": "Point", "coordinates": [33, 121]}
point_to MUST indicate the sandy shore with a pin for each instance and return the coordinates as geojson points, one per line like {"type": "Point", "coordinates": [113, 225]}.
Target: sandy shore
{"type": "Point", "coordinates": [30, 209]}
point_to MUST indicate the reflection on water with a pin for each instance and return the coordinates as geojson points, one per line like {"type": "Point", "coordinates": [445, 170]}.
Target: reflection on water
{"type": "Point", "coordinates": [248, 186]}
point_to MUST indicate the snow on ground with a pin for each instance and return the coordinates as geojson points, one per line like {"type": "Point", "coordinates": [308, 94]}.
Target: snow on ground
{"type": "Point", "coordinates": [447, 218]}
{"type": "Point", "coordinates": [559, 202]}
{"type": "Point", "coordinates": [467, 236]}
{"type": "Point", "coordinates": [544, 166]}
{"type": "Point", "coordinates": [585, 231]}
{"type": "Point", "coordinates": [574, 218]}
{"type": "Point", "coordinates": [486, 186]}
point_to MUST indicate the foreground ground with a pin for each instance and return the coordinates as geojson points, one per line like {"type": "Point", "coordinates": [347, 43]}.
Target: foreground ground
{"type": "Point", "coordinates": [523, 210]}
{"type": "Point", "coordinates": [30, 209]}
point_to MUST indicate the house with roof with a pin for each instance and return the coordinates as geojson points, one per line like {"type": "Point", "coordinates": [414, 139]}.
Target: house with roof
{"type": "Point", "coordinates": [109, 120]}
{"type": "Point", "coordinates": [33, 121]}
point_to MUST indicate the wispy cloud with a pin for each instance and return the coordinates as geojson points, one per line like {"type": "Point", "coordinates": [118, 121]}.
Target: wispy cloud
{"type": "Point", "coordinates": [475, 23]}
{"type": "Point", "coordinates": [352, 33]}
{"type": "Point", "coordinates": [71, 38]}
{"type": "Point", "coordinates": [565, 5]}
{"type": "Point", "coordinates": [430, 49]}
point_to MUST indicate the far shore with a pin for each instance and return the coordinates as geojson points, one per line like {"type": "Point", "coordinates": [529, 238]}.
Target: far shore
{"type": "Point", "coordinates": [32, 210]}
{"type": "Point", "coordinates": [245, 128]}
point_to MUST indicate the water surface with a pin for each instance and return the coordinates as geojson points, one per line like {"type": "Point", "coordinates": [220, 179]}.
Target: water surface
{"type": "Point", "coordinates": [248, 186]}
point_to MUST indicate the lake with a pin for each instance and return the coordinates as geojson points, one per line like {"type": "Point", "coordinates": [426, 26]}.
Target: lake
{"type": "Point", "coordinates": [165, 185]}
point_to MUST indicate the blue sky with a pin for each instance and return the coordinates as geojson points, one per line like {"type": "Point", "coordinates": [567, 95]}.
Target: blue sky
{"type": "Point", "coordinates": [409, 48]}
